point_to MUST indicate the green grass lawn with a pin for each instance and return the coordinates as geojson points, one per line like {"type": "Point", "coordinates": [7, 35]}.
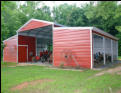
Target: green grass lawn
{"type": "Point", "coordinates": [63, 81]}
{"type": "Point", "coordinates": [119, 57]}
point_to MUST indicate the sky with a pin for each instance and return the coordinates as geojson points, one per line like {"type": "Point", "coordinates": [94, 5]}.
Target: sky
{"type": "Point", "coordinates": [78, 3]}
{"type": "Point", "coordinates": [56, 3]}
{"type": "Point", "coordinates": [52, 3]}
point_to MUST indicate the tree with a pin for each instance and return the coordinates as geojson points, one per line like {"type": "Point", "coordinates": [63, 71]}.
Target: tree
{"type": "Point", "coordinates": [105, 15]}
{"type": "Point", "coordinates": [14, 15]}
{"type": "Point", "coordinates": [31, 10]}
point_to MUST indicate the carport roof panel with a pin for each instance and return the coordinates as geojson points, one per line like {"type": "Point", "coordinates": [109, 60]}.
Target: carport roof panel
{"type": "Point", "coordinates": [34, 23]}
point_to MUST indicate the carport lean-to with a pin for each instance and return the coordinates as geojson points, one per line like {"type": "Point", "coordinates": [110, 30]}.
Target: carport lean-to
{"type": "Point", "coordinates": [104, 47]}
{"type": "Point", "coordinates": [40, 34]}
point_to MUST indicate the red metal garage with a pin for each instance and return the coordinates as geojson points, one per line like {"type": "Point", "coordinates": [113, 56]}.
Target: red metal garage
{"type": "Point", "coordinates": [76, 46]}
{"type": "Point", "coordinates": [72, 46]}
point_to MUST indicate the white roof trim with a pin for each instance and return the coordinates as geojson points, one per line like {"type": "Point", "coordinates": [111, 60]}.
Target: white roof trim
{"type": "Point", "coordinates": [42, 21]}
{"type": "Point", "coordinates": [57, 24]}
{"type": "Point", "coordinates": [9, 38]}
{"type": "Point", "coordinates": [73, 28]}
{"type": "Point", "coordinates": [35, 20]}
{"type": "Point", "coordinates": [91, 28]}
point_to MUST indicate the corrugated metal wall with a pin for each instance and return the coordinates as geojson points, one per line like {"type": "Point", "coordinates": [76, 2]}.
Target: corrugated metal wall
{"type": "Point", "coordinates": [72, 47]}
{"type": "Point", "coordinates": [31, 42]}
{"type": "Point", "coordinates": [106, 46]}
{"type": "Point", "coordinates": [114, 48]}
{"type": "Point", "coordinates": [10, 51]}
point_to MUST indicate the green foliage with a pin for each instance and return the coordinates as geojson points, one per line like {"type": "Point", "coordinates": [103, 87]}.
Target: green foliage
{"type": "Point", "coordinates": [105, 14]}
{"type": "Point", "coordinates": [119, 57]}
{"type": "Point", "coordinates": [14, 15]}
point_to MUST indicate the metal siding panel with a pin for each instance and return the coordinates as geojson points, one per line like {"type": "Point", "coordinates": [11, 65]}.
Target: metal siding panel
{"type": "Point", "coordinates": [10, 51]}
{"type": "Point", "coordinates": [30, 41]}
{"type": "Point", "coordinates": [74, 42]}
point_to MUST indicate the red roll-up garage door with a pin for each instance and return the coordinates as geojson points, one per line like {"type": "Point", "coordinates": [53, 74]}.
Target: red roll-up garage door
{"type": "Point", "coordinates": [22, 54]}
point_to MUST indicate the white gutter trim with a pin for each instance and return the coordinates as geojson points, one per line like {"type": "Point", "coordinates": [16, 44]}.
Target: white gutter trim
{"type": "Point", "coordinates": [91, 48]}
{"type": "Point", "coordinates": [17, 47]}
{"type": "Point", "coordinates": [52, 45]}
{"type": "Point", "coordinates": [72, 28]}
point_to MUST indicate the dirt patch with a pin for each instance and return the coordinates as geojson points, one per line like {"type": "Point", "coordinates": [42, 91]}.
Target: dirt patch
{"type": "Point", "coordinates": [119, 73]}
{"type": "Point", "coordinates": [25, 84]}
{"type": "Point", "coordinates": [24, 64]}
{"type": "Point", "coordinates": [19, 87]}
{"type": "Point", "coordinates": [111, 71]}
{"type": "Point", "coordinates": [114, 69]}
{"type": "Point", "coordinates": [11, 66]}
{"type": "Point", "coordinates": [99, 74]}
{"type": "Point", "coordinates": [34, 64]}
{"type": "Point", "coordinates": [77, 91]}
{"type": "Point", "coordinates": [66, 69]}
{"type": "Point", "coordinates": [119, 91]}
